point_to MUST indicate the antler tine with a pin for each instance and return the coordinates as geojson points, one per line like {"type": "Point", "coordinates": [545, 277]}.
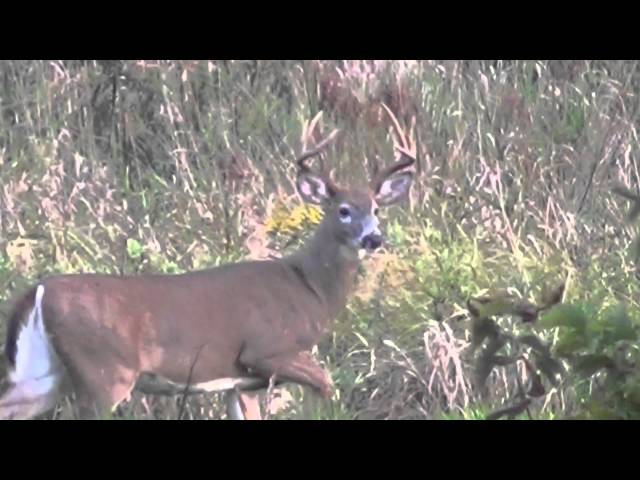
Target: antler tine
{"type": "Point", "coordinates": [306, 154]}
{"type": "Point", "coordinates": [399, 132]}
{"type": "Point", "coordinates": [407, 158]}
{"type": "Point", "coordinates": [307, 128]}
{"type": "Point", "coordinates": [406, 149]}
{"type": "Point", "coordinates": [314, 151]}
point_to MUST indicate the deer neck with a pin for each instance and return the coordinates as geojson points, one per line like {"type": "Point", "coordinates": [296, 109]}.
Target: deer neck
{"type": "Point", "coordinates": [329, 268]}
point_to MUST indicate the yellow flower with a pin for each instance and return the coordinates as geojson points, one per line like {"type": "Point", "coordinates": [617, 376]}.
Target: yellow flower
{"type": "Point", "coordinates": [296, 220]}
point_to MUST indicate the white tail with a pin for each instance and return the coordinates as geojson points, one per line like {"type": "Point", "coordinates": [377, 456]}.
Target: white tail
{"type": "Point", "coordinates": [232, 328]}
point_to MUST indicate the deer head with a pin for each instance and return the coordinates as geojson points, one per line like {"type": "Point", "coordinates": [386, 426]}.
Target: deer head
{"type": "Point", "coordinates": [350, 213]}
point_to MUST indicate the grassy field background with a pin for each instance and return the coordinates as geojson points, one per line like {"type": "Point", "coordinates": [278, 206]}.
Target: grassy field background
{"type": "Point", "coordinates": [166, 166]}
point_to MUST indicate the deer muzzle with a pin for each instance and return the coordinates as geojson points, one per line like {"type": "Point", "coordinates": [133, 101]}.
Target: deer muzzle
{"type": "Point", "coordinates": [372, 241]}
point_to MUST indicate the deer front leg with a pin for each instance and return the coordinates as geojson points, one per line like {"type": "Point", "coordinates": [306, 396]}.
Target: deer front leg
{"type": "Point", "coordinates": [299, 368]}
{"type": "Point", "coordinates": [243, 405]}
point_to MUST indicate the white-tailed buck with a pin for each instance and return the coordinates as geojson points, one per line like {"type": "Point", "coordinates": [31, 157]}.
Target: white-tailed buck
{"type": "Point", "coordinates": [232, 328]}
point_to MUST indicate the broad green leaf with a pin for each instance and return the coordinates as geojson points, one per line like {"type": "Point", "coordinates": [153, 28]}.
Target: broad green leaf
{"type": "Point", "coordinates": [552, 297]}
{"type": "Point", "coordinates": [598, 411]}
{"type": "Point", "coordinates": [134, 249]}
{"type": "Point", "coordinates": [618, 325]}
{"type": "Point", "coordinates": [564, 316]}
{"type": "Point", "coordinates": [632, 391]}
{"type": "Point", "coordinates": [589, 364]}
{"type": "Point", "coordinates": [570, 343]}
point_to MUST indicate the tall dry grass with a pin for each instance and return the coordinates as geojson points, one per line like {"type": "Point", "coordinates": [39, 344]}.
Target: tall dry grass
{"type": "Point", "coordinates": [139, 166]}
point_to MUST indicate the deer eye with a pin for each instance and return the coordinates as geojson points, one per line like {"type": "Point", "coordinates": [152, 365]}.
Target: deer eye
{"type": "Point", "coordinates": [345, 214]}
{"type": "Point", "coordinates": [375, 211]}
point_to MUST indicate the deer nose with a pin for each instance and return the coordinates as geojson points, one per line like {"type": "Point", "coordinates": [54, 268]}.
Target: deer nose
{"type": "Point", "coordinates": [372, 241]}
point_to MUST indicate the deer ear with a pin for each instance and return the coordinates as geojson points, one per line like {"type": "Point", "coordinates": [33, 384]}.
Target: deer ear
{"type": "Point", "coordinates": [394, 188]}
{"type": "Point", "coordinates": [314, 189]}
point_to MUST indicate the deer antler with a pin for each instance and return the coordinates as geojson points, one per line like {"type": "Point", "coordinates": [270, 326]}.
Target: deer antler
{"type": "Point", "coordinates": [307, 154]}
{"type": "Point", "coordinates": [403, 145]}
